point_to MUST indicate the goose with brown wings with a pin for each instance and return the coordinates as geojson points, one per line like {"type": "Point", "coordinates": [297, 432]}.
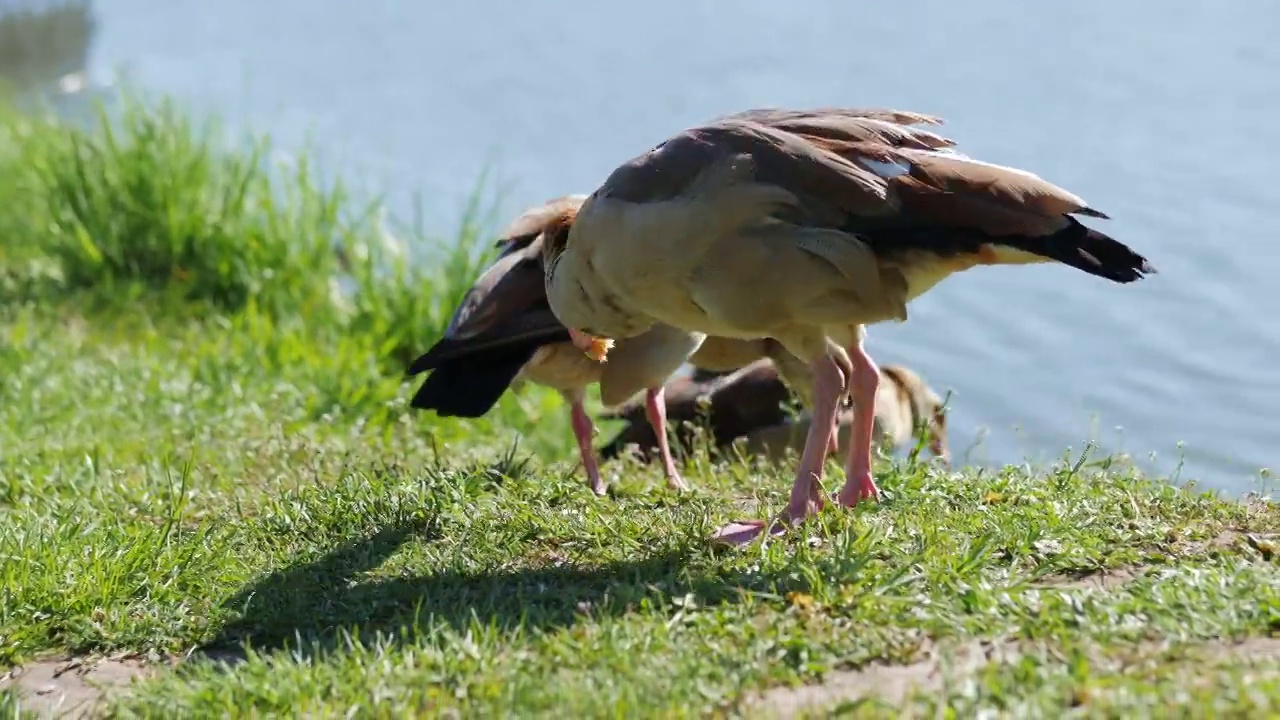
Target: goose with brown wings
{"type": "Point", "coordinates": [504, 333]}
{"type": "Point", "coordinates": [747, 409]}
{"type": "Point", "coordinates": [806, 226]}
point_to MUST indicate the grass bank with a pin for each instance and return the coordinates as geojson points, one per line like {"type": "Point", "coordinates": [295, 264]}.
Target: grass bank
{"type": "Point", "coordinates": [205, 453]}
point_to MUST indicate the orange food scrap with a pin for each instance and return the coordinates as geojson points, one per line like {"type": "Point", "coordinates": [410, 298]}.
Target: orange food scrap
{"type": "Point", "coordinates": [599, 350]}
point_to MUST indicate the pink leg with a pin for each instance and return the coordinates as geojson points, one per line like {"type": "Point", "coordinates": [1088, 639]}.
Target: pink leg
{"type": "Point", "coordinates": [828, 386]}
{"type": "Point", "coordinates": [939, 451]}
{"type": "Point", "coordinates": [835, 417]}
{"type": "Point", "coordinates": [583, 429]}
{"type": "Point", "coordinates": [859, 484]}
{"type": "Point", "coordinates": [655, 406]}
{"type": "Point", "coordinates": [833, 447]}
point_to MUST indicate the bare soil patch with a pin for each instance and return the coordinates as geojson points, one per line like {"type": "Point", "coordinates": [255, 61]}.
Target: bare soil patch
{"type": "Point", "coordinates": [75, 688]}
{"type": "Point", "coordinates": [1108, 579]}
{"type": "Point", "coordinates": [81, 687]}
{"type": "Point", "coordinates": [889, 683]}
{"type": "Point", "coordinates": [1112, 578]}
{"type": "Point", "coordinates": [892, 684]}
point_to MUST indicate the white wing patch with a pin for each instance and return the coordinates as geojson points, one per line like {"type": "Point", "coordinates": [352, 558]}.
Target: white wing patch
{"type": "Point", "coordinates": [957, 155]}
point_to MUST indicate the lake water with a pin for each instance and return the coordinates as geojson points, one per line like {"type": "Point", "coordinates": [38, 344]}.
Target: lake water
{"type": "Point", "coordinates": [1163, 116]}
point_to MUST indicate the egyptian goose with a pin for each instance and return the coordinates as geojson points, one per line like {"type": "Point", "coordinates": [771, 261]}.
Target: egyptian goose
{"type": "Point", "coordinates": [748, 407]}
{"type": "Point", "coordinates": [731, 404]}
{"type": "Point", "coordinates": [504, 333]}
{"type": "Point", "coordinates": [805, 226]}
{"type": "Point", "coordinates": [902, 405]}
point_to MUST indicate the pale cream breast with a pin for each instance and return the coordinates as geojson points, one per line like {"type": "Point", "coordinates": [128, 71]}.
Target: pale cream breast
{"type": "Point", "coordinates": [561, 367]}
{"type": "Point", "coordinates": [638, 262]}
{"type": "Point", "coordinates": [924, 270]}
{"type": "Point", "coordinates": [893, 412]}
{"type": "Point", "coordinates": [777, 276]}
{"type": "Point", "coordinates": [645, 361]}
{"type": "Point", "coordinates": [720, 354]}
{"type": "Point", "coordinates": [584, 300]}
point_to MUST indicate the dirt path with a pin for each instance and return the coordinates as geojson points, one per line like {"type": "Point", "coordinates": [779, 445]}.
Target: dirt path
{"type": "Point", "coordinates": [894, 683]}
{"type": "Point", "coordinates": [72, 688]}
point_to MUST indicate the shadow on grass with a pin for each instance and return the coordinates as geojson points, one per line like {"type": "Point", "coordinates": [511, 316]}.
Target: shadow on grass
{"type": "Point", "coordinates": [310, 608]}
{"type": "Point", "coordinates": [313, 599]}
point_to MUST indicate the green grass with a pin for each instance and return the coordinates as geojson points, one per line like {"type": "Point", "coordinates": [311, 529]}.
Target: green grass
{"type": "Point", "coordinates": [203, 450]}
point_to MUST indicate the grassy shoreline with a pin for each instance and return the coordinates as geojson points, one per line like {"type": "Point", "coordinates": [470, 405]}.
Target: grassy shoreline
{"type": "Point", "coordinates": [203, 450]}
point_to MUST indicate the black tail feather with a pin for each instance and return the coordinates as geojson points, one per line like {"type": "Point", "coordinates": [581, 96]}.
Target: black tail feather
{"type": "Point", "coordinates": [470, 387]}
{"type": "Point", "coordinates": [499, 340]}
{"type": "Point", "coordinates": [1084, 248]}
{"type": "Point", "coordinates": [469, 376]}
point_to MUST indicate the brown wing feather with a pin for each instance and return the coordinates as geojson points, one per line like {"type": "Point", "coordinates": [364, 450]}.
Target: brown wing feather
{"type": "Point", "coordinates": [934, 187]}
{"type": "Point", "coordinates": [867, 172]}
{"type": "Point", "coordinates": [730, 151]}
{"type": "Point", "coordinates": [843, 125]}
{"type": "Point", "coordinates": [948, 204]}
{"type": "Point", "coordinates": [926, 205]}
{"type": "Point", "coordinates": [510, 286]}
{"type": "Point", "coordinates": [886, 136]}
{"type": "Point", "coordinates": [815, 152]}
{"type": "Point", "coordinates": [776, 116]}
{"type": "Point", "coordinates": [514, 283]}
{"type": "Point", "coordinates": [1001, 185]}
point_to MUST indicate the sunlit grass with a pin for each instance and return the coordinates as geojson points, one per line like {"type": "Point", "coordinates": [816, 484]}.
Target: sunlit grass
{"type": "Point", "coordinates": [148, 206]}
{"type": "Point", "coordinates": [206, 447]}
